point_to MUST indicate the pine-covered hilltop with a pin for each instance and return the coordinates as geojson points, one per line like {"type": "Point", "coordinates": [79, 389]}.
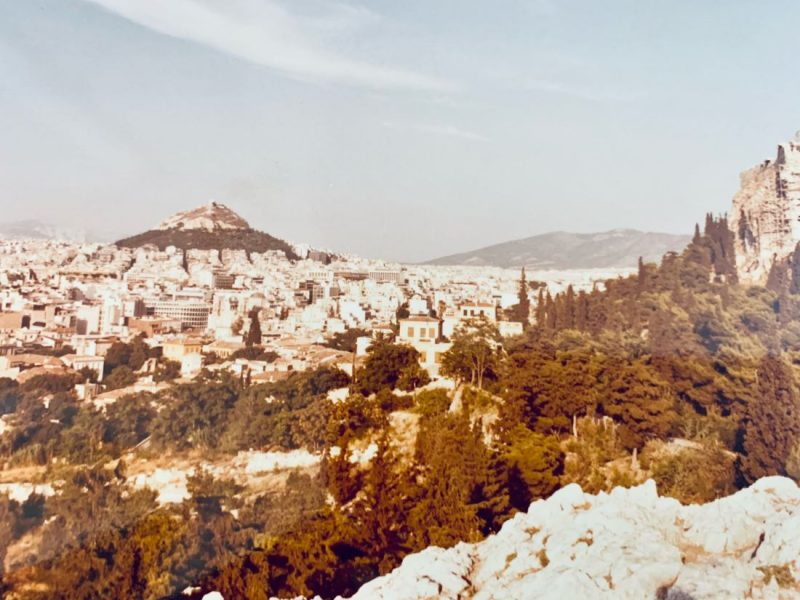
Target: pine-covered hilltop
{"type": "Point", "coordinates": [200, 239]}
{"type": "Point", "coordinates": [213, 226]}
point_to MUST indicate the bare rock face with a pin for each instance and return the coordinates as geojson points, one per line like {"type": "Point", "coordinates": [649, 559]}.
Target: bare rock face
{"type": "Point", "coordinates": [211, 217]}
{"type": "Point", "coordinates": [765, 218]}
{"type": "Point", "coordinates": [630, 543]}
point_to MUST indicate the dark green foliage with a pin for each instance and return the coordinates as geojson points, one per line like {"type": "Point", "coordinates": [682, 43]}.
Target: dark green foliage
{"type": "Point", "coordinates": [87, 374]}
{"type": "Point", "coordinates": [167, 370]}
{"type": "Point", "coordinates": [121, 377]}
{"type": "Point", "coordinates": [289, 414]}
{"type": "Point", "coordinates": [240, 239]}
{"type": "Point", "coordinates": [772, 422]}
{"type": "Point", "coordinates": [131, 355]}
{"type": "Point", "coordinates": [475, 353]}
{"type": "Point", "coordinates": [9, 395]}
{"type": "Point", "coordinates": [520, 312]}
{"type": "Point", "coordinates": [128, 421]}
{"type": "Point", "coordinates": [532, 463]}
{"type": "Point", "coordinates": [385, 365]}
{"type": "Point", "coordinates": [43, 384]}
{"type": "Point", "coordinates": [412, 377]}
{"type": "Point", "coordinates": [17, 519]}
{"type": "Point", "coordinates": [89, 506]}
{"type": "Point", "coordinates": [353, 418]}
{"type": "Point", "coordinates": [432, 402]}
{"type": "Point", "coordinates": [50, 425]}
{"type": "Point", "coordinates": [640, 401]}
{"type": "Point", "coordinates": [456, 464]}
{"type": "Point", "coordinates": [278, 513]}
{"type": "Point", "coordinates": [253, 337]}
{"type": "Point", "coordinates": [346, 340]}
{"type": "Point", "coordinates": [194, 416]}
{"type": "Point", "coordinates": [389, 401]}
{"type": "Point", "coordinates": [693, 475]}
{"type": "Point", "coordinates": [255, 353]}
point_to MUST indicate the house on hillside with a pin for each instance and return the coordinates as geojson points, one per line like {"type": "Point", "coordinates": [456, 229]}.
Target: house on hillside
{"type": "Point", "coordinates": [424, 335]}
{"type": "Point", "coordinates": [78, 362]}
{"type": "Point", "coordinates": [177, 348]}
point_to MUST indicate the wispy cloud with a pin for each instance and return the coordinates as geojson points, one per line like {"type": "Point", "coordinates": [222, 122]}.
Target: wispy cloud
{"type": "Point", "coordinates": [264, 32]}
{"type": "Point", "coordinates": [446, 130]}
{"type": "Point", "coordinates": [595, 94]}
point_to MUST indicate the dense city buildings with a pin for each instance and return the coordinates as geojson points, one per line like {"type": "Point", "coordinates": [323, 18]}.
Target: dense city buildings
{"type": "Point", "coordinates": [196, 306]}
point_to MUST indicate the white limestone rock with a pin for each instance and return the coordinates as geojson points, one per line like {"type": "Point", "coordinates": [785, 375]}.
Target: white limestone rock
{"type": "Point", "coordinates": [627, 544]}
{"type": "Point", "coordinates": [210, 217]}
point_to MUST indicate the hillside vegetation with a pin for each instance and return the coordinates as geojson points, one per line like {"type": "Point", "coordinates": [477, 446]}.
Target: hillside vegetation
{"type": "Point", "coordinates": [676, 373]}
{"type": "Point", "coordinates": [201, 239]}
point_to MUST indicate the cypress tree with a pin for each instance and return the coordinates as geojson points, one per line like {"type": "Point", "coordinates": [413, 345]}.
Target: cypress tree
{"type": "Point", "coordinates": [253, 337]}
{"type": "Point", "coordinates": [772, 421]}
{"type": "Point", "coordinates": [641, 277]}
{"type": "Point", "coordinates": [794, 261]}
{"type": "Point", "coordinates": [522, 310]}
{"type": "Point", "coordinates": [582, 311]}
{"type": "Point", "coordinates": [550, 313]}
{"type": "Point", "coordinates": [540, 313]}
{"type": "Point", "coordinates": [569, 307]}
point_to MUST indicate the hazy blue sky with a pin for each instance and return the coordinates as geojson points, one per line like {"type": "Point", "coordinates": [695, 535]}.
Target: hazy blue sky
{"type": "Point", "coordinates": [403, 129]}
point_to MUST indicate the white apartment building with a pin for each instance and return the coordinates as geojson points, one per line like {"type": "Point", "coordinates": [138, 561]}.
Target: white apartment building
{"type": "Point", "coordinates": [192, 313]}
{"type": "Point", "coordinates": [423, 334]}
{"type": "Point", "coordinates": [418, 329]}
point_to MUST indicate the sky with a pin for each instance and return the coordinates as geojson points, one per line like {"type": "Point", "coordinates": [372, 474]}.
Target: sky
{"type": "Point", "coordinates": [401, 130]}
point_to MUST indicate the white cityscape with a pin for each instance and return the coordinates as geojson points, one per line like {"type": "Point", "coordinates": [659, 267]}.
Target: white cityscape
{"type": "Point", "coordinates": [197, 305]}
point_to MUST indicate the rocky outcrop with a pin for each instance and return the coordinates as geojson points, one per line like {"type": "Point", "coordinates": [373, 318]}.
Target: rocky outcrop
{"type": "Point", "coordinates": [765, 217]}
{"type": "Point", "coordinates": [630, 543]}
{"type": "Point", "coordinates": [211, 217]}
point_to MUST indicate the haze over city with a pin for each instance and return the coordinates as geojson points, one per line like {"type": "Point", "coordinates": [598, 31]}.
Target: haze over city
{"type": "Point", "coordinates": [398, 130]}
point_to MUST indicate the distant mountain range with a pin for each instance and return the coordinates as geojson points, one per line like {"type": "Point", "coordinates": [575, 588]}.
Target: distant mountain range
{"type": "Point", "coordinates": [561, 250]}
{"type": "Point", "coordinates": [213, 226]}
{"type": "Point", "coordinates": [32, 229]}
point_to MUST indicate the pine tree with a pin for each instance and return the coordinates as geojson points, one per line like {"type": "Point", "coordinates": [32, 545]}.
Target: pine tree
{"type": "Point", "coordinates": [638, 399]}
{"type": "Point", "coordinates": [456, 462]}
{"type": "Point", "coordinates": [384, 504]}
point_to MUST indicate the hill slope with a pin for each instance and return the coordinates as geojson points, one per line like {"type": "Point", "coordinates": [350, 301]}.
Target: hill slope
{"type": "Point", "coordinates": [210, 227]}
{"type": "Point", "coordinates": [562, 250]}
